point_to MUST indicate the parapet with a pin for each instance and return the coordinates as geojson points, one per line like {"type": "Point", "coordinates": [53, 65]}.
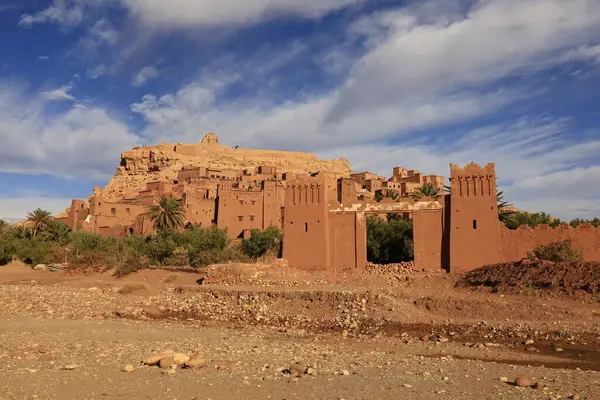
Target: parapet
{"type": "Point", "coordinates": [472, 169]}
{"type": "Point", "coordinates": [210, 138]}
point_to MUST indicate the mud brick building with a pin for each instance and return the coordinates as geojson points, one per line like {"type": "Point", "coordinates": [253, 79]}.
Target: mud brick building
{"type": "Point", "coordinates": [322, 211]}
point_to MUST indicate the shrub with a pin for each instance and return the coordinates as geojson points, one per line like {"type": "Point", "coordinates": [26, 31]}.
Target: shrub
{"type": "Point", "coordinates": [389, 242]}
{"type": "Point", "coordinates": [86, 241]}
{"type": "Point", "coordinates": [560, 251]}
{"type": "Point", "coordinates": [262, 242]}
{"type": "Point", "coordinates": [32, 251]}
{"type": "Point", "coordinates": [160, 249]}
{"type": "Point", "coordinates": [6, 250]}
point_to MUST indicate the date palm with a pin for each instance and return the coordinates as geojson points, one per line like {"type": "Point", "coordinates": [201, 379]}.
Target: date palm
{"type": "Point", "coordinates": [167, 214]}
{"type": "Point", "coordinates": [38, 220]}
{"type": "Point", "coordinates": [427, 190]}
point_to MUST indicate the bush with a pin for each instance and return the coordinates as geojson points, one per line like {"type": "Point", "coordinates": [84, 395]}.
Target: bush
{"type": "Point", "coordinates": [262, 242]}
{"type": "Point", "coordinates": [32, 251]}
{"type": "Point", "coordinates": [558, 252]}
{"type": "Point", "coordinates": [82, 241]}
{"type": "Point", "coordinates": [389, 242]}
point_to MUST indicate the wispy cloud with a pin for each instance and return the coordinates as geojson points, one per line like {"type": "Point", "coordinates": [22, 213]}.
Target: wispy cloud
{"type": "Point", "coordinates": [144, 75]}
{"type": "Point", "coordinates": [60, 94]}
{"type": "Point", "coordinates": [43, 58]}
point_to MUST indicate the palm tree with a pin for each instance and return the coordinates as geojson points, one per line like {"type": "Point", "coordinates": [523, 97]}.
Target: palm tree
{"type": "Point", "coordinates": [427, 190]}
{"type": "Point", "coordinates": [392, 194]}
{"type": "Point", "coordinates": [167, 214]}
{"type": "Point", "coordinates": [58, 231]}
{"type": "Point", "coordinates": [19, 232]}
{"type": "Point", "coordinates": [39, 220]}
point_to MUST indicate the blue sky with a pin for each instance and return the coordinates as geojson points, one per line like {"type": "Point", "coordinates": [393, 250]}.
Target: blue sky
{"type": "Point", "coordinates": [418, 84]}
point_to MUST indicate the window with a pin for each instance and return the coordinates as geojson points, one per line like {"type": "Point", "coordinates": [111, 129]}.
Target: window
{"type": "Point", "coordinates": [474, 224]}
{"type": "Point", "coordinates": [128, 211]}
{"type": "Point", "coordinates": [252, 218]}
{"type": "Point", "coordinates": [306, 227]}
{"type": "Point", "coordinates": [113, 211]}
{"type": "Point", "coordinates": [253, 202]}
{"type": "Point", "coordinates": [240, 218]}
{"type": "Point", "coordinates": [242, 202]}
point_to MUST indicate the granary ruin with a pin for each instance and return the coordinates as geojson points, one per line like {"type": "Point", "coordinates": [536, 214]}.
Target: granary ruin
{"type": "Point", "coordinates": [321, 206]}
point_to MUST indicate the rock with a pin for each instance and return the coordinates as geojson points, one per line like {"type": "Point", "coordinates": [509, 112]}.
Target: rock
{"type": "Point", "coordinates": [297, 369]}
{"type": "Point", "coordinates": [529, 342]}
{"type": "Point", "coordinates": [195, 362]}
{"type": "Point", "coordinates": [168, 372]}
{"type": "Point", "coordinates": [504, 379]}
{"type": "Point", "coordinates": [406, 385]}
{"type": "Point", "coordinates": [152, 360]}
{"type": "Point", "coordinates": [576, 397]}
{"type": "Point", "coordinates": [558, 349]}
{"type": "Point", "coordinates": [310, 371]}
{"type": "Point", "coordinates": [345, 372]}
{"type": "Point", "coordinates": [523, 381]}
{"type": "Point", "coordinates": [70, 367]}
{"type": "Point", "coordinates": [530, 349]}
{"type": "Point", "coordinates": [128, 368]}
{"type": "Point", "coordinates": [180, 358]}
{"type": "Point", "coordinates": [41, 267]}
{"type": "Point", "coordinates": [167, 363]}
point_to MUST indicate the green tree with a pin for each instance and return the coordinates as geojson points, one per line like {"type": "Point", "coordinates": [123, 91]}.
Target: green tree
{"type": "Point", "coordinates": [389, 242]}
{"type": "Point", "coordinates": [3, 226]}
{"type": "Point", "coordinates": [58, 231]}
{"type": "Point", "coordinates": [167, 215]}
{"type": "Point", "coordinates": [262, 241]}
{"type": "Point", "coordinates": [19, 232]}
{"type": "Point", "coordinates": [427, 190]}
{"type": "Point", "coordinates": [378, 196]}
{"type": "Point", "coordinates": [392, 194]}
{"type": "Point", "coordinates": [39, 220]}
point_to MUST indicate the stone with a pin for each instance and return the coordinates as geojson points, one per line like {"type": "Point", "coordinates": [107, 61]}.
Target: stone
{"type": "Point", "coordinates": [297, 369]}
{"type": "Point", "coordinates": [167, 362]}
{"type": "Point", "coordinates": [523, 381]}
{"type": "Point", "coordinates": [345, 372]}
{"type": "Point", "coordinates": [503, 379]}
{"type": "Point", "coordinates": [195, 362]}
{"type": "Point", "coordinates": [529, 342]}
{"type": "Point", "coordinates": [152, 360]}
{"type": "Point", "coordinates": [180, 358]}
{"type": "Point", "coordinates": [406, 385]}
{"type": "Point", "coordinates": [530, 349]}
{"type": "Point", "coordinates": [128, 368]}
{"type": "Point", "coordinates": [70, 367]}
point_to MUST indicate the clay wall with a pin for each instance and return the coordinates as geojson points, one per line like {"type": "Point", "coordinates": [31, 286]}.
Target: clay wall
{"type": "Point", "coordinates": [201, 211]}
{"type": "Point", "coordinates": [77, 214]}
{"type": "Point", "coordinates": [306, 241]}
{"type": "Point", "coordinates": [189, 174]}
{"type": "Point", "coordinates": [373, 185]}
{"type": "Point", "coordinates": [223, 174]}
{"type": "Point", "coordinates": [427, 237]}
{"type": "Point", "coordinates": [474, 238]}
{"type": "Point", "coordinates": [238, 210]}
{"type": "Point", "coordinates": [514, 244]}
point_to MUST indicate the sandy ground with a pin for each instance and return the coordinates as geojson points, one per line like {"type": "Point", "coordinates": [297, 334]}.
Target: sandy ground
{"type": "Point", "coordinates": [365, 337]}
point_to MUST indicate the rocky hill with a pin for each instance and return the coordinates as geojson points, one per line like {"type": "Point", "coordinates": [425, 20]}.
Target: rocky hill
{"type": "Point", "coordinates": [162, 162]}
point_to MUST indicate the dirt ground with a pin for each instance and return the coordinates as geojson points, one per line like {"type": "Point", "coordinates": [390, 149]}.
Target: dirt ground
{"type": "Point", "coordinates": [400, 335]}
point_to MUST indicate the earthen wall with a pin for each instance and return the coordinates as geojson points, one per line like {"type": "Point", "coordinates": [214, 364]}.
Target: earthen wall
{"type": "Point", "coordinates": [515, 244]}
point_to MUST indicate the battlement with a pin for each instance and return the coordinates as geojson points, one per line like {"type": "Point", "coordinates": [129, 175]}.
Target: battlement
{"type": "Point", "coordinates": [473, 180]}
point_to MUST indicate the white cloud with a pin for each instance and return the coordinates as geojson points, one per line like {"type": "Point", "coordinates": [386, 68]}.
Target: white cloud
{"type": "Point", "coordinates": [43, 58]}
{"type": "Point", "coordinates": [15, 209]}
{"type": "Point", "coordinates": [79, 142]}
{"type": "Point", "coordinates": [144, 75]}
{"type": "Point", "coordinates": [60, 94]}
{"type": "Point", "coordinates": [187, 13]}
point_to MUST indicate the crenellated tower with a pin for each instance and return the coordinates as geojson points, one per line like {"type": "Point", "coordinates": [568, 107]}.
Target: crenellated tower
{"type": "Point", "coordinates": [474, 236]}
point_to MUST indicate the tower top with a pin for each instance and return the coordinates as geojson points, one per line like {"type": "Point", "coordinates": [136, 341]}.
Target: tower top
{"type": "Point", "coordinates": [210, 138]}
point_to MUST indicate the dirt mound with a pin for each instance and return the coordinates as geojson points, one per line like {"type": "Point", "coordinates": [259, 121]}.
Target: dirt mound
{"type": "Point", "coordinates": [551, 277]}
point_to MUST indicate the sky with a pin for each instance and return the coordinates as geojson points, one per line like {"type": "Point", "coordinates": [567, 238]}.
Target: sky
{"type": "Point", "coordinates": [383, 83]}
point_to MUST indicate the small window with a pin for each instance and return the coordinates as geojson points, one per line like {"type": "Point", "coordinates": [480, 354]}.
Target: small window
{"type": "Point", "coordinates": [240, 218]}
{"type": "Point", "coordinates": [252, 218]}
{"type": "Point", "coordinates": [113, 211]}
{"type": "Point", "coordinates": [306, 227]}
{"type": "Point", "coordinates": [128, 211]}
{"type": "Point", "coordinates": [474, 224]}
{"type": "Point", "coordinates": [253, 202]}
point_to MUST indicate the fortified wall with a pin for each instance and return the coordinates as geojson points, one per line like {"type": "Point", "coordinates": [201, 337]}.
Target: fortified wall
{"type": "Point", "coordinates": [322, 213]}
{"type": "Point", "coordinates": [478, 238]}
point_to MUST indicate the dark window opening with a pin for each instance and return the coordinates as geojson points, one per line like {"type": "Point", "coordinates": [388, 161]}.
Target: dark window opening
{"type": "Point", "coordinates": [252, 218]}
{"type": "Point", "coordinates": [306, 227]}
{"type": "Point", "coordinates": [113, 211]}
{"type": "Point", "coordinates": [474, 224]}
{"type": "Point", "coordinates": [240, 218]}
